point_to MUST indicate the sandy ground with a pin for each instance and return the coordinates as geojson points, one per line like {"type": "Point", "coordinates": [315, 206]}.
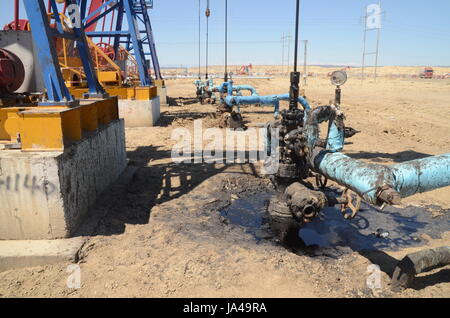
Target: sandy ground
{"type": "Point", "coordinates": [164, 236]}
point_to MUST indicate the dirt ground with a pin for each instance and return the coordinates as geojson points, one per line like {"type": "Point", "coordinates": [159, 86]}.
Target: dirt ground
{"type": "Point", "coordinates": [164, 234]}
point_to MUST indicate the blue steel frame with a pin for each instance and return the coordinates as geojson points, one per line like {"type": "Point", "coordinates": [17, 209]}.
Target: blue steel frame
{"type": "Point", "coordinates": [43, 37]}
{"type": "Point", "coordinates": [134, 11]}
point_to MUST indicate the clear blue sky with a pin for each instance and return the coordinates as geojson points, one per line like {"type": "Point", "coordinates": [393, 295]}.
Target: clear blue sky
{"type": "Point", "coordinates": [414, 32]}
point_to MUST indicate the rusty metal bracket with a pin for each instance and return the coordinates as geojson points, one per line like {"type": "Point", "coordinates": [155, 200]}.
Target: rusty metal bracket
{"type": "Point", "coordinates": [321, 181]}
{"type": "Point", "coordinates": [353, 203]}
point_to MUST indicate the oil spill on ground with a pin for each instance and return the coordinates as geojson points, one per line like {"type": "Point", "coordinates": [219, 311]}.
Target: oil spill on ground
{"type": "Point", "coordinates": [372, 229]}
{"type": "Point", "coordinates": [249, 212]}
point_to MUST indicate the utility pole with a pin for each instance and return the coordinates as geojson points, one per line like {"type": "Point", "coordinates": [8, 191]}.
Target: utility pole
{"type": "Point", "coordinates": [282, 53]}
{"type": "Point", "coordinates": [289, 52]}
{"type": "Point", "coordinates": [305, 64]}
{"type": "Point", "coordinates": [378, 47]}
{"type": "Point", "coordinates": [285, 52]}
{"type": "Point", "coordinates": [372, 22]}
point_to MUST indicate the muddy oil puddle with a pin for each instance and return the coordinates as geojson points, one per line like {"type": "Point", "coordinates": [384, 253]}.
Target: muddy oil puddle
{"type": "Point", "coordinates": [249, 212]}
{"type": "Point", "coordinates": [372, 229]}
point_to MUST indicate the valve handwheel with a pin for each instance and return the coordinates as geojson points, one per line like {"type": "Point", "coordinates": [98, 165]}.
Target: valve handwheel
{"type": "Point", "coordinates": [353, 203]}
{"type": "Point", "coordinates": [108, 50]}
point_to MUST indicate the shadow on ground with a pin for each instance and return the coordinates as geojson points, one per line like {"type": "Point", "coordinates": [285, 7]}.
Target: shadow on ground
{"type": "Point", "coordinates": [396, 157]}
{"type": "Point", "coordinates": [167, 118]}
{"type": "Point", "coordinates": [131, 201]}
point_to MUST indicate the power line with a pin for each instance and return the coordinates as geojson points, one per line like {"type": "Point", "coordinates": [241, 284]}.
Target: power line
{"type": "Point", "coordinates": [222, 42]}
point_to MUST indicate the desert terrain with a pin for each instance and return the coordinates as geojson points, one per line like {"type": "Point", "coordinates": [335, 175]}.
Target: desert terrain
{"type": "Point", "coordinates": [166, 234]}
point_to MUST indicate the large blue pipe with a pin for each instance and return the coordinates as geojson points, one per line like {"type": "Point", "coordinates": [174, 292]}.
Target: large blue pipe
{"type": "Point", "coordinates": [367, 179]}
{"type": "Point", "coordinates": [422, 175]}
{"type": "Point", "coordinates": [273, 100]}
{"type": "Point", "coordinates": [238, 89]}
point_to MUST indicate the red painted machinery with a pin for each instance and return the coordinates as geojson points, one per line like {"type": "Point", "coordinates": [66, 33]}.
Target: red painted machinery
{"type": "Point", "coordinates": [245, 69]}
{"type": "Point", "coordinates": [12, 72]}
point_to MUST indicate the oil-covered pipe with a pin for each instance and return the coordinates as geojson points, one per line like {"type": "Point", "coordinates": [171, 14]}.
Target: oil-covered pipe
{"type": "Point", "coordinates": [336, 128]}
{"type": "Point", "coordinates": [376, 184]}
{"type": "Point", "coordinates": [379, 184]}
{"type": "Point", "coordinates": [416, 263]}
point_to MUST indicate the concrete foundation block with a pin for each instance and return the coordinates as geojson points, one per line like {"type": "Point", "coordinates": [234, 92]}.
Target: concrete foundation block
{"type": "Point", "coordinates": [139, 113]}
{"type": "Point", "coordinates": [20, 254]}
{"type": "Point", "coordinates": [162, 93]}
{"type": "Point", "coordinates": [46, 195]}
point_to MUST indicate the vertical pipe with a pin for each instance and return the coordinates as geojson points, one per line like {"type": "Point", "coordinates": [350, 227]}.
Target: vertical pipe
{"type": "Point", "coordinates": [199, 40]}
{"type": "Point", "coordinates": [297, 19]}
{"type": "Point", "coordinates": [16, 14]}
{"type": "Point", "coordinates": [226, 42]}
{"type": "Point", "coordinates": [294, 89]}
{"type": "Point", "coordinates": [208, 13]}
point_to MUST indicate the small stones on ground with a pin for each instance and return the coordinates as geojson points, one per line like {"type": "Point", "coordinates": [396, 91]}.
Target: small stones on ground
{"type": "Point", "coordinates": [382, 233]}
{"type": "Point", "coordinates": [263, 234]}
{"type": "Point", "coordinates": [223, 219]}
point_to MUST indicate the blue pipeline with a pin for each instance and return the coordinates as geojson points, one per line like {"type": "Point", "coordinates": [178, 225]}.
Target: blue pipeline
{"type": "Point", "coordinates": [264, 100]}
{"type": "Point", "coordinates": [238, 89]}
{"type": "Point", "coordinates": [336, 129]}
{"type": "Point", "coordinates": [366, 179]}
{"type": "Point", "coordinates": [225, 87]}
{"type": "Point", "coordinates": [422, 175]}
{"type": "Point", "coordinates": [251, 89]}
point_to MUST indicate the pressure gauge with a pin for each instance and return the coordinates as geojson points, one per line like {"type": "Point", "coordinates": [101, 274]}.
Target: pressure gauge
{"type": "Point", "coordinates": [338, 78]}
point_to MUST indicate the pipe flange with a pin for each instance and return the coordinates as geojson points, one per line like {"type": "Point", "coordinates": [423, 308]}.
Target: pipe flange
{"type": "Point", "coordinates": [386, 194]}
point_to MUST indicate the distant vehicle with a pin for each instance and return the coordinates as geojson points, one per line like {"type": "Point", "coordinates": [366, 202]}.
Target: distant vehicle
{"type": "Point", "coordinates": [427, 72]}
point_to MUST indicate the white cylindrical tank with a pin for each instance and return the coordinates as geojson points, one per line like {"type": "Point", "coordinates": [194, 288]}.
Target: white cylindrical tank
{"type": "Point", "coordinates": [21, 44]}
